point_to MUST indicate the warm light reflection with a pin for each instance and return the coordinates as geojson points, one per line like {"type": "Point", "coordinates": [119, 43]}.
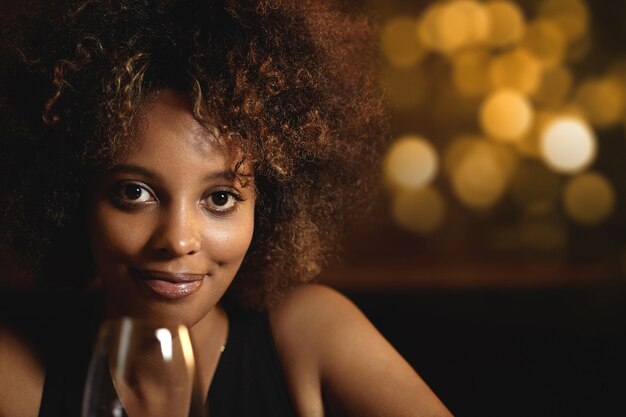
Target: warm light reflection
{"type": "Point", "coordinates": [602, 101]}
{"type": "Point", "coordinates": [411, 162]}
{"type": "Point", "coordinates": [589, 198]}
{"type": "Point", "coordinates": [480, 178]}
{"type": "Point", "coordinates": [470, 72]}
{"type": "Point", "coordinates": [518, 70]}
{"type": "Point", "coordinates": [545, 41]}
{"type": "Point", "coordinates": [421, 211]}
{"type": "Point", "coordinates": [399, 42]}
{"type": "Point", "coordinates": [535, 188]}
{"type": "Point", "coordinates": [185, 340]}
{"type": "Point", "coordinates": [568, 145]}
{"type": "Point", "coordinates": [572, 16]}
{"type": "Point", "coordinates": [506, 115]}
{"type": "Point", "coordinates": [165, 339]}
{"type": "Point", "coordinates": [507, 23]}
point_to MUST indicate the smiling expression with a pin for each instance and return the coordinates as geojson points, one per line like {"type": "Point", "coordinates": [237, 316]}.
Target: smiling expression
{"type": "Point", "coordinates": [170, 224]}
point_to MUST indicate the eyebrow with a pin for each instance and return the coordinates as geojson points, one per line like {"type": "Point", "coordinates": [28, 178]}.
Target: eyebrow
{"type": "Point", "coordinates": [226, 174]}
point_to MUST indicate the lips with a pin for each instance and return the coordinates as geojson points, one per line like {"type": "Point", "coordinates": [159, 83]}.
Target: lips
{"type": "Point", "coordinates": [171, 286]}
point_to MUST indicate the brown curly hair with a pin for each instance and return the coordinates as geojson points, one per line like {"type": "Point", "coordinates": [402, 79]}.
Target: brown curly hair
{"type": "Point", "coordinates": [292, 84]}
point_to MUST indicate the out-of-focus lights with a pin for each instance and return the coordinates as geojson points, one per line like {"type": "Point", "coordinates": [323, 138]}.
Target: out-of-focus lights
{"type": "Point", "coordinates": [555, 86]}
{"type": "Point", "coordinates": [428, 26]}
{"type": "Point", "coordinates": [420, 211]}
{"type": "Point", "coordinates": [470, 72]}
{"type": "Point", "coordinates": [545, 40]}
{"type": "Point", "coordinates": [535, 187]}
{"type": "Point", "coordinates": [507, 23]}
{"type": "Point", "coordinates": [568, 145]}
{"type": "Point", "coordinates": [411, 162]}
{"type": "Point", "coordinates": [518, 70]}
{"type": "Point", "coordinates": [506, 115]}
{"type": "Point", "coordinates": [572, 16]}
{"type": "Point", "coordinates": [589, 198]}
{"type": "Point", "coordinates": [399, 42]}
{"type": "Point", "coordinates": [602, 101]}
{"type": "Point", "coordinates": [461, 23]}
{"type": "Point", "coordinates": [479, 179]}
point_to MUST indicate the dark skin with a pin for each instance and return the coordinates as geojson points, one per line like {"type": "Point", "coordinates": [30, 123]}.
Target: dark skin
{"type": "Point", "coordinates": [188, 216]}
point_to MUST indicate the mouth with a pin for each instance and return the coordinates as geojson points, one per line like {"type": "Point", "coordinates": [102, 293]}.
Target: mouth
{"type": "Point", "coordinates": [168, 285]}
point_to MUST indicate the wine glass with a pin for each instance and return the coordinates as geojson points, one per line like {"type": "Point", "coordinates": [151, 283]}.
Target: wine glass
{"type": "Point", "coordinates": [142, 369]}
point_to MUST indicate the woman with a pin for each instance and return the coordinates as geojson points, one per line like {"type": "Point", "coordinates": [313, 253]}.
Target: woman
{"type": "Point", "coordinates": [199, 159]}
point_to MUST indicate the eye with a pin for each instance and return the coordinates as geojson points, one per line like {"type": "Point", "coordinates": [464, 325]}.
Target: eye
{"type": "Point", "coordinates": [222, 201]}
{"type": "Point", "coordinates": [131, 193]}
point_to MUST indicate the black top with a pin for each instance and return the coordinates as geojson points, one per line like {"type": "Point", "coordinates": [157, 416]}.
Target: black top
{"type": "Point", "coordinates": [248, 380]}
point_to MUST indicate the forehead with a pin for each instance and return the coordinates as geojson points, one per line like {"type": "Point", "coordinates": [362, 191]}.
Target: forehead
{"type": "Point", "coordinates": [169, 130]}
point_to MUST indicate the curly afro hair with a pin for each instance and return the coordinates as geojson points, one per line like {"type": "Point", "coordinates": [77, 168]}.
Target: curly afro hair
{"type": "Point", "coordinates": [291, 84]}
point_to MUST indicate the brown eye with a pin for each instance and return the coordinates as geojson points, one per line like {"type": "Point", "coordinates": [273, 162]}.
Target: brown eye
{"type": "Point", "coordinates": [132, 192]}
{"type": "Point", "coordinates": [222, 202]}
{"type": "Point", "coordinates": [220, 198]}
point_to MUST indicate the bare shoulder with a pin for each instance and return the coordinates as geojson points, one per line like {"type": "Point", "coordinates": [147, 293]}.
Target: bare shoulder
{"type": "Point", "coordinates": [22, 370]}
{"type": "Point", "coordinates": [330, 350]}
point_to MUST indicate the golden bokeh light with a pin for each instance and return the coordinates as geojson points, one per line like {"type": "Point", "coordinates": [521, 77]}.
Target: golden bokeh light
{"type": "Point", "coordinates": [535, 188]}
{"type": "Point", "coordinates": [545, 41]}
{"type": "Point", "coordinates": [448, 27]}
{"type": "Point", "coordinates": [411, 163]}
{"type": "Point", "coordinates": [589, 198]}
{"type": "Point", "coordinates": [480, 178]}
{"type": "Point", "coordinates": [420, 211]}
{"type": "Point", "coordinates": [470, 72]}
{"type": "Point", "coordinates": [602, 101]}
{"type": "Point", "coordinates": [572, 16]}
{"type": "Point", "coordinates": [555, 86]}
{"type": "Point", "coordinates": [461, 23]}
{"type": "Point", "coordinates": [399, 42]}
{"type": "Point", "coordinates": [508, 24]}
{"type": "Point", "coordinates": [506, 115]}
{"type": "Point", "coordinates": [518, 70]}
{"type": "Point", "coordinates": [428, 26]}
{"type": "Point", "coordinates": [568, 145]}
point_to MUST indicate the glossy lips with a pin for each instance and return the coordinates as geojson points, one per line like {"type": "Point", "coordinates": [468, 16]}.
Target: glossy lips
{"type": "Point", "coordinates": [169, 285]}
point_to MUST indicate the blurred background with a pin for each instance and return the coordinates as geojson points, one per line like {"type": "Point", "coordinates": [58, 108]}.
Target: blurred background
{"type": "Point", "coordinates": [495, 258]}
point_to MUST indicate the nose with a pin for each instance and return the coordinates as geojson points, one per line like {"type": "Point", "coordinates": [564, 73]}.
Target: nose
{"type": "Point", "coordinates": [178, 232]}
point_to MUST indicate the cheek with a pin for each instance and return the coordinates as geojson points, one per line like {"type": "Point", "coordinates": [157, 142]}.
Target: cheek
{"type": "Point", "coordinates": [229, 242]}
{"type": "Point", "coordinates": [113, 236]}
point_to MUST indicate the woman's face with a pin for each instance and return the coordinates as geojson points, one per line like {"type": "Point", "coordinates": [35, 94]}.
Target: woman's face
{"type": "Point", "coordinates": [170, 224]}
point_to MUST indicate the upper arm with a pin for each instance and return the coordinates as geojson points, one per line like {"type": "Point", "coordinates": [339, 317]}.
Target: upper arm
{"type": "Point", "coordinates": [22, 374]}
{"type": "Point", "coordinates": [357, 370]}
